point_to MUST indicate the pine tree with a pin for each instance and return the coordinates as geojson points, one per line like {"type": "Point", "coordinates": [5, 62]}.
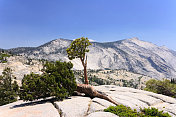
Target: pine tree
{"type": "Point", "coordinates": [8, 88]}
{"type": "Point", "coordinates": [58, 81]}
{"type": "Point", "coordinates": [78, 49]}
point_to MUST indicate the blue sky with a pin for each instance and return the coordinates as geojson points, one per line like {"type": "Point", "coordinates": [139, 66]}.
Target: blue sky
{"type": "Point", "coordinates": [35, 22]}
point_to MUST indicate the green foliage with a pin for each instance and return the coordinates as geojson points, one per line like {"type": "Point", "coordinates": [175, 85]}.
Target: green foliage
{"type": "Point", "coordinates": [63, 74]}
{"type": "Point", "coordinates": [97, 80]}
{"type": "Point", "coordinates": [3, 57]}
{"type": "Point", "coordinates": [123, 111]}
{"type": "Point", "coordinates": [8, 88]}
{"type": "Point", "coordinates": [78, 48]}
{"type": "Point", "coordinates": [130, 83]}
{"type": "Point", "coordinates": [58, 81]}
{"type": "Point", "coordinates": [173, 80]}
{"type": "Point", "coordinates": [164, 87]}
{"type": "Point", "coordinates": [154, 112]}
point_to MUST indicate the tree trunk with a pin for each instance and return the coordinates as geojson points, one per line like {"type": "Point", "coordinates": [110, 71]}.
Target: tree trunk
{"type": "Point", "coordinates": [91, 92]}
{"type": "Point", "coordinates": [84, 63]}
{"type": "Point", "coordinates": [85, 75]}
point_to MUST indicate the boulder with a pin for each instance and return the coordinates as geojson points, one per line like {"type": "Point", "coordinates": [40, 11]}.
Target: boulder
{"type": "Point", "coordinates": [74, 107]}
{"type": "Point", "coordinates": [102, 114]}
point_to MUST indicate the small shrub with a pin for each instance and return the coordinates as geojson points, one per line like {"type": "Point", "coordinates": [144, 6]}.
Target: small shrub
{"type": "Point", "coordinates": [154, 112]}
{"type": "Point", "coordinates": [123, 111]}
{"type": "Point", "coordinates": [3, 56]}
{"type": "Point", "coordinates": [164, 87]}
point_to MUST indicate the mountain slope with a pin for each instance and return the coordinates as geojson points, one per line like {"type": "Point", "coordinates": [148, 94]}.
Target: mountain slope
{"type": "Point", "coordinates": [130, 54]}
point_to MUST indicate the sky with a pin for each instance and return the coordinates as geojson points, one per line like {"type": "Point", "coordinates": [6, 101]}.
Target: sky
{"type": "Point", "coordinates": [35, 22]}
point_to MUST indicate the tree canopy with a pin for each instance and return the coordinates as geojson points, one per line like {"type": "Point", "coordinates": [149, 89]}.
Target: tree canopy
{"type": "Point", "coordinates": [78, 49]}
{"type": "Point", "coordinates": [58, 81]}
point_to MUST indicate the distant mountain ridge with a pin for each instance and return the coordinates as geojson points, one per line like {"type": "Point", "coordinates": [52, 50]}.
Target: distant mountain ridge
{"type": "Point", "coordinates": [131, 54]}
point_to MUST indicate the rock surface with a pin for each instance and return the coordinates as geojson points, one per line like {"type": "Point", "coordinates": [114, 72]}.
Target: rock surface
{"type": "Point", "coordinates": [21, 66]}
{"type": "Point", "coordinates": [77, 106]}
{"type": "Point", "coordinates": [74, 107]}
{"type": "Point", "coordinates": [138, 98]}
{"type": "Point", "coordinates": [102, 114]}
{"type": "Point", "coordinates": [23, 109]}
{"type": "Point", "coordinates": [130, 97]}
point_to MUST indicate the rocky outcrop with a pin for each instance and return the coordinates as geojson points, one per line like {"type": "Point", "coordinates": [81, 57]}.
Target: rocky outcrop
{"type": "Point", "coordinates": [21, 66]}
{"type": "Point", "coordinates": [131, 54]}
{"type": "Point", "coordinates": [74, 107]}
{"type": "Point", "coordinates": [80, 106]}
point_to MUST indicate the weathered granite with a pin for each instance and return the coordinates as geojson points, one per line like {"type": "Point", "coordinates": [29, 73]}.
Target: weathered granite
{"type": "Point", "coordinates": [102, 114]}
{"type": "Point", "coordinates": [80, 106]}
{"type": "Point", "coordinates": [94, 107]}
{"type": "Point", "coordinates": [74, 107]}
{"type": "Point", "coordinates": [138, 98]}
{"type": "Point", "coordinates": [103, 102]}
{"type": "Point", "coordinates": [99, 105]}
{"type": "Point", "coordinates": [23, 109]}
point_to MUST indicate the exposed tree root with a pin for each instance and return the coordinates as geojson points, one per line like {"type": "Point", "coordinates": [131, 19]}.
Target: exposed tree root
{"type": "Point", "coordinates": [91, 92]}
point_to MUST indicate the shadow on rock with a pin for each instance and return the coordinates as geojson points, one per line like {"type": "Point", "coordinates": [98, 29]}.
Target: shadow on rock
{"type": "Point", "coordinates": [51, 100]}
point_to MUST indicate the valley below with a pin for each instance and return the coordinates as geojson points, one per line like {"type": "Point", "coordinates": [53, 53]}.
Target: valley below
{"type": "Point", "coordinates": [22, 66]}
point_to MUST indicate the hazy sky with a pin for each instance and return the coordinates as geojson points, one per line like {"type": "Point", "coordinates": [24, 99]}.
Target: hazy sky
{"type": "Point", "coordinates": [35, 22]}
